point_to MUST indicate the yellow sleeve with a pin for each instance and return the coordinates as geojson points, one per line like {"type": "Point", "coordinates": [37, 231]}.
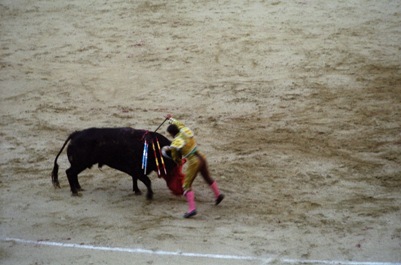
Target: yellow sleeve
{"type": "Point", "coordinates": [177, 143]}
{"type": "Point", "coordinates": [176, 155]}
{"type": "Point", "coordinates": [176, 147]}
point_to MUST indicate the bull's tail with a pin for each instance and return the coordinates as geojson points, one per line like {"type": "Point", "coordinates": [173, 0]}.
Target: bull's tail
{"type": "Point", "coordinates": [55, 182]}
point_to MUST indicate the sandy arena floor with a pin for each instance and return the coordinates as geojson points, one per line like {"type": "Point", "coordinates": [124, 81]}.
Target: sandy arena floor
{"type": "Point", "coordinates": [297, 105]}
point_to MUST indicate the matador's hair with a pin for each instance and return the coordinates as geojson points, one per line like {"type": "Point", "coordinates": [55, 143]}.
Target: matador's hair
{"type": "Point", "coordinates": [173, 129]}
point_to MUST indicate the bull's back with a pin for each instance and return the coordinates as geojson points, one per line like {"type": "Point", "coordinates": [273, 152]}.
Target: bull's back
{"type": "Point", "coordinates": [104, 145]}
{"type": "Point", "coordinates": [119, 148]}
{"type": "Point", "coordinates": [106, 135]}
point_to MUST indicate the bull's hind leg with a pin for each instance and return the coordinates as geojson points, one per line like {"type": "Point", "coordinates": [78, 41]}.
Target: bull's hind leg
{"type": "Point", "coordinates": [148, 184]}
{"type": "Point", "coordinates": [72, 175]}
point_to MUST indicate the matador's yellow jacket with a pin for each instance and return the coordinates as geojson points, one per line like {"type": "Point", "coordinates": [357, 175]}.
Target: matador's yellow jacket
{"type": "Point", "coordinates": [184, 144]}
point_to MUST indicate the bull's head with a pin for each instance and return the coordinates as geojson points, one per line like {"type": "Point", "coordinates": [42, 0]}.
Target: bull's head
{"type": "Point", "coordinates": [174, 180]}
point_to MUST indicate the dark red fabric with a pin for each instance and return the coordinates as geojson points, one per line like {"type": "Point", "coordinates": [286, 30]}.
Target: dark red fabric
{"type": "Point", "coordinates": [174, 180]}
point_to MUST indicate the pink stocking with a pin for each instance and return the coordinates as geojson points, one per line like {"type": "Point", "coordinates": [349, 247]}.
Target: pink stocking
{"type": "Point", "coordinates": [190, 195]}
{"type": "Point", "coordinates": [215, 189]}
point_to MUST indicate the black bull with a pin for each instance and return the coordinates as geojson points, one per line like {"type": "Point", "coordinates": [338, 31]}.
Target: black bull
{"type": "Point", "coordinates": [121, 149]}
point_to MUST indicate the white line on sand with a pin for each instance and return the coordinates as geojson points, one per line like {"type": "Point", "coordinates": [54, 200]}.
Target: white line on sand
{"type": "Point", "coordinates": [265, 260]}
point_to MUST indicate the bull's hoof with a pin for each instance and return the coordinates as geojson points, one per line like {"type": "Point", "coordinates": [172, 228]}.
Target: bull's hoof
{"type": "Point", "coordinates": [138, 192]}
{"type": "Point", "coordinates": [76, 194]}
{"type": "Point", "coordinates": [149, 196]}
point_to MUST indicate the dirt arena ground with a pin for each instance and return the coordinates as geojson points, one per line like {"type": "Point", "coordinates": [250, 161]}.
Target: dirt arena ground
{"type": "Point", "coordinates": [297, 105]}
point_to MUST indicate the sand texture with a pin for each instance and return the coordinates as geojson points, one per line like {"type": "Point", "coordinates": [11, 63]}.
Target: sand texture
{"type": "Point", "coordinates": [297, 105]}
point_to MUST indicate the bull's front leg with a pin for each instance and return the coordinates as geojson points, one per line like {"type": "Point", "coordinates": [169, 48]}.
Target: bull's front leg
{"type": "Point", "coordinates": [135, 186]}
{"type": "Point", "coordinates": [145, 179]}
